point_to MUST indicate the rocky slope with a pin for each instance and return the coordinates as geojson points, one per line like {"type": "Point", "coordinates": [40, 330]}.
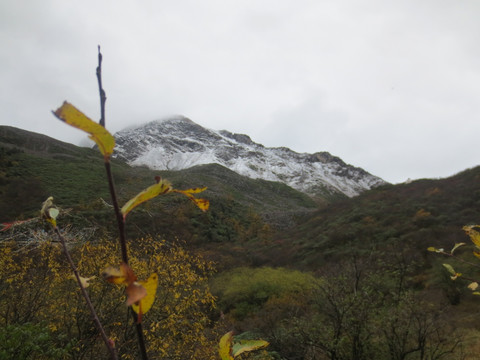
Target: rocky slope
{"type": "Point", "coordinates": [179, 143]}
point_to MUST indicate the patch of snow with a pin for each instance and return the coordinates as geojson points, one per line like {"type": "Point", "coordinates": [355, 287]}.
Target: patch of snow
{"type": "Point", "coordinates": [178, 143]}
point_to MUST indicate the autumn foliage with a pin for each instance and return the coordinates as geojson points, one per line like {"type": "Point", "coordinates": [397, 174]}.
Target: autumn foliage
{"type": "Point", "coordinates": [47, 284]}
{"type": "Point", "coordinates": [37, 287]}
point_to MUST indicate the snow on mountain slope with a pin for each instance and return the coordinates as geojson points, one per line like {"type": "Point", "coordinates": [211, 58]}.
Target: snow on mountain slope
{"type": "Point", "coordinates": [179, 143]}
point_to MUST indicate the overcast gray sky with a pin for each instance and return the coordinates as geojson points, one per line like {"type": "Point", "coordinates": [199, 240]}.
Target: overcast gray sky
{"type": "Point", "coordinates": [389, 86]}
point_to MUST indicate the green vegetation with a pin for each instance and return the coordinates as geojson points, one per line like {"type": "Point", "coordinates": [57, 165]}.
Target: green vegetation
{"type": "Point", "coordinates": [28, 175]}
{"type": "Point", "coordinates": [358, 310]}
{"type": "Point", "coordinates": [243, 291]}
{"type": "Point", "coordinates": [356, 283]}
{"type": "Point", "coordinates": [31, 341]}
{"type": "Point", "coordinates": [353, 280]}
{"type": "Point", "coordinates": [407, 216]}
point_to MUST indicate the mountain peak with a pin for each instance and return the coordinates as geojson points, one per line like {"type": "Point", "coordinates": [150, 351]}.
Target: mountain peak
{"type": "Point", "coordinates": [241, 138]}
{"type": "Point", "coordinates": [177, 143]}
{"type": "Point", "coordinates": [167, 121]}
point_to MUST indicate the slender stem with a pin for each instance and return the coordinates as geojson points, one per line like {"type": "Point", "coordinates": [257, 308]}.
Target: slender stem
{"type": "Point", "coordinates": [459, 259]}
{"type": "Point", "coordinates": [103, 96]}
{"type": "Point", "coordinates": [141, 339]}
{"type": "Point", "coordinates": [118, 213]}
{"type": "Point", "coordinates": [123, 247]}
{"type": "Point", "coordinates": [98, 324]}
{"type": "Point", "coordinates": [116, 207]}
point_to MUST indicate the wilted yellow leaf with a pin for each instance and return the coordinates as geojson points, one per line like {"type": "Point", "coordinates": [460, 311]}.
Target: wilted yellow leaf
{"type": "Point", "coordinates": [122, 275]}
{"type": "Point", "coordinates": [225, 346]}
{"type": "Point", "coordinates": [146, 302]}
{"type": "Point", "coordinates": [455, 276]}
{"type": "Point", "coordinates": [47, 204]}
{"type": "Point", "coordinates": [49, 212]}
{"type": "Point", "coordinates": [473, 286]}
{"type": "Point", "coordinates": [162, 187]}
{"type": "Point", "coordinates": [456, 247]}
{"type": "Point", "coordinates": [194, 190]}
{"type": "Point", "coordinates": [474, 234]}
{"type": "Point", "coordinates": [74, 117]}
{"type": "Point", "coordinates": [202, 204]}
{"type": "Point", "coordinates": [135, 292]}
{"type": "Point", "coordinates": [84, 281]}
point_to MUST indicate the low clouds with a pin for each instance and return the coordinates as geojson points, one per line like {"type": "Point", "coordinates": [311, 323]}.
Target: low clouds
{"type": "Point", "coordinates": [309, 126]}
{"type": "Point", "coordinates": [391, 87]}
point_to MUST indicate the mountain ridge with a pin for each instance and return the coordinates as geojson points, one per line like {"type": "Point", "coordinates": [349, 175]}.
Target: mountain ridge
{"type": "Point", "coordinates": [178, 143]}
{"type": "Point", "coordinates": [34, 166]}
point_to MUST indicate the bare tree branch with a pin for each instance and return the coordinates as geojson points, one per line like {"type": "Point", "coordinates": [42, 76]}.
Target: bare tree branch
{"type": "Point", "coordinates": [116, 207]}
{"type": "Point", "coordinates": [108, 342]}
{"type": "Point", "coordinates": [103, 96]}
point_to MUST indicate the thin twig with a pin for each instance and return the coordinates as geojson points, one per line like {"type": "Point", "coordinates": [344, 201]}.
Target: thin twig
{"type": "Point", "coordinates": [118, 213]}
{"type": "Point", "coordinates": [103, 96]}
{"type": "Point", "coordinates": [116, 207]}
{"type": "Point", "coordinates": [96, 320]}
{"type": "Point", "coordinates": [458, 258]}
{"type": "Point", "coordinates": [123, 247]}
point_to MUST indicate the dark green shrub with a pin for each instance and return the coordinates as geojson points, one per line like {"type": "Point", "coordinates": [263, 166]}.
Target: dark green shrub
{"type": "Point", "coordinates": [243, 291]}
{"type": "Point", "coordinates": [30, 341]}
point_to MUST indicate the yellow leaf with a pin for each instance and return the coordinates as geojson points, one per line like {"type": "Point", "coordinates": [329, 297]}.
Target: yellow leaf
{"type": "Point", "coordinates": [456, 247]}
{"type": "Point", "coordinates": [74, 117]}
{"type": "Point", "coordinates": [146, 302]}
{"type": "Point", "coordinates": [162, 187]}
{"type": "Point", "coordinates": [194, 190]}
{"type": "Point", "coordinates": [203, 204]}
{"type": "Point", "coordinates": [474, 235]}
{"type": "Point", "coordinates": [455, 276]}
{"type": "Point", "coordinates": [47, 204]}
{"type": "Point", "coordinates": [473, 286]}
{"type": "Point", "coordinates": [434, 249]}
{"type": "Point", "coordinates": [225, 346]}
{"type": "Point", "coordinates": [477, 254]}
{"type": "Point", "coordinates": [84, 281]}
{"type": "Point", "coordinates": [49, 212]}
{"type": "Point", "coordinates": [53, 212]}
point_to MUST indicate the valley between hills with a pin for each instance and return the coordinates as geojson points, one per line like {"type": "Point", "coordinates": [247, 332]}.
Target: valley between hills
{"type": "Point", "coordinates": [331, 277]}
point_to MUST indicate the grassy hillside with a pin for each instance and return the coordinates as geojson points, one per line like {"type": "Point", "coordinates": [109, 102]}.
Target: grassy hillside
{"type": "Point", "coordinates": [410, 216]}
{"type": "Point", "coordinates": [415, 215]}
{"type": "Point", "coordinates": [363, 258]}
{"type": "Point", "coordinates": [34, 166]}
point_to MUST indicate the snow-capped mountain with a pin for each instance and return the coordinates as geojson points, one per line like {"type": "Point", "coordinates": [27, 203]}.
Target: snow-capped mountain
{"type": "Point", "coordinates": [179, 143]}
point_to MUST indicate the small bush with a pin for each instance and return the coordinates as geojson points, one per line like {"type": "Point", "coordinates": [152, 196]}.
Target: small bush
{"type": "Point", "coordinates": [30, 341]}
{"type": "Point", "coordinates": [242, 291]}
